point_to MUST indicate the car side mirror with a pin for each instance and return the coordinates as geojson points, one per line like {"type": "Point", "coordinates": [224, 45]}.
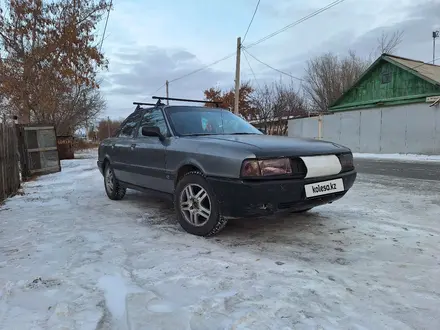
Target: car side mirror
{"type": "Point", "coordinates": [152, 131]}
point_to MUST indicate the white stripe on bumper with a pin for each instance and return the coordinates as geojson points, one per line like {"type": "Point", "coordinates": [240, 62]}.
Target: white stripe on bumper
{"type": "Point", "coordinates": [318, 166]}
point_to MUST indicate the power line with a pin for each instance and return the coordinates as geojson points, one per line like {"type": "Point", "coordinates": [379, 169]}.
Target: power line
{"type": "Point", "coordinates": [196, 71]}
{"type": "Point", "coordinates": [159, 89]}
{"type": "Point", "coordinates": [305, 18]}
{"type": "Point", "coordinates": [252, 19]}
{"type": "Point", "coordinates": [334, 3]}
{"type": "Point", "coordinates": [156, 91]}
{"type": "Point", "coordinates": [252, 70]}
{"type": "Point", "coordinates": [202, 68]}
{"type": "Point", "coordinates": [271, 67]}
{"type": "Point", "coordinates": [105, 26]}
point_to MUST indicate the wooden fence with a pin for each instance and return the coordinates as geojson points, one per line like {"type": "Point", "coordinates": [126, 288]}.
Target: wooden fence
{"type": "Point", "coordinates": [9, 161]}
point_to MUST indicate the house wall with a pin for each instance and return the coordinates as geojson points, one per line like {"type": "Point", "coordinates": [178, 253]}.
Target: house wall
{"type": "Point", "coordinates": [388, 83]}
{"type": "Point", "coordinates": [413, 128]}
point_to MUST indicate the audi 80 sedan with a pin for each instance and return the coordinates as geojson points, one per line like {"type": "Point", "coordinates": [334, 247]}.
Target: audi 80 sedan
{"type": "Point", "coordinates": [217, 166]}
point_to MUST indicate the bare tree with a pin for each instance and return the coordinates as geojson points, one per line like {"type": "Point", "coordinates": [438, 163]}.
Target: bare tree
{"type": "Point", "coordinates": [275, 103]}
{"type": "Point", "coordinates": [263, 100]}
{"type": "Point", "coordinates": [388, 43]}
{"type": "Point", "coordinates": [106, 128]}
{"type": "Point", "coordinates": [64, 105]}
{"type": "Point", "coordinates": [81, 105]}
{"type": "Point", "coordinates": [328, 76]}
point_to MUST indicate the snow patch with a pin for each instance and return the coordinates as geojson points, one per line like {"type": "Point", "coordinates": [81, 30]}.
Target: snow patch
{"type": "Point", "coordinates": [399, 157]}
{"type": "Point", "coordinates": [6, 290]}
{"type": "Point", "coordinates": [72, 259]}
{"type": "Point", "coordinates": [161, 307]}
{"type": "Point", "coordinates": [115, 292]}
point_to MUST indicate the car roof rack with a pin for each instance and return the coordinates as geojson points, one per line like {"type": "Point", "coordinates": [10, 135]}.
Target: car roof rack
{"type": "Point", "coordinates": [159, 98]}
{"type": "Point", "coordinates": [143, 103]}
{"type": "Point", "coordinates": [138, 104]}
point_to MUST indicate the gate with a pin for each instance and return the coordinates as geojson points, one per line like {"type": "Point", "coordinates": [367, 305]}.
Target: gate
{"type": "Point", "coordinates": [38, 150]}
{"type": "Point", "coordinates": [9, 167]}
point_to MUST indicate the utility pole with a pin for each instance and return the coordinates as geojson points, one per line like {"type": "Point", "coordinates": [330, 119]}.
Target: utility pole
{"type": "Point", "coordinates": [320, 127]}
{"type": "Point", "coordinates": [167, 91]}
{"type": "Point", "coordinates": [108, 126]}
{"type": "Point", "coordinates": [435, 35]}
{"type": "Point", "coordinates": [237, 77]}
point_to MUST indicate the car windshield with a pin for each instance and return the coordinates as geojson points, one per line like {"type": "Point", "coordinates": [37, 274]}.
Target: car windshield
{"type": "Point", "coordinates": [206, 121]}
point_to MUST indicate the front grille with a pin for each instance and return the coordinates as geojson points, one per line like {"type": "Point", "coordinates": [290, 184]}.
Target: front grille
{"type": "Point", "coordinates": [299, 169]}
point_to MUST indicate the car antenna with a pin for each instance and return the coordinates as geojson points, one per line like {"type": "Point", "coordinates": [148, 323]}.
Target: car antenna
{"type": "Point", "coordinates": [159, 98]}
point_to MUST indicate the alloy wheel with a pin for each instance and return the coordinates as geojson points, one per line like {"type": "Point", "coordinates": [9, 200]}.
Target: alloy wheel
{"type": "Point", "coordinates": [195, 205]}
{"type": "Point", "coordinates": [109, 182]}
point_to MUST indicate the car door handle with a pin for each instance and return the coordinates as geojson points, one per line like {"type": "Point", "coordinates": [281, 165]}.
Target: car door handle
{"type": "Point", "coordinates": [133, 146]}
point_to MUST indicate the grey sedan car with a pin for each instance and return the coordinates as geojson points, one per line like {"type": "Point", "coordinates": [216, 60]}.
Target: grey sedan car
{"type": "Point", "coordinates": [216, 166]}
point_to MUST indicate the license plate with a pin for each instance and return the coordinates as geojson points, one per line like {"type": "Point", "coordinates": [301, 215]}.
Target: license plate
{"type": "Point", "coordinates": [324, 187]}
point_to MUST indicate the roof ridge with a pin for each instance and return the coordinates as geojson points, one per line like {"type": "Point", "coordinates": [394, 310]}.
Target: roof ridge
{"type": "Point", "coordinates": [409, 59]}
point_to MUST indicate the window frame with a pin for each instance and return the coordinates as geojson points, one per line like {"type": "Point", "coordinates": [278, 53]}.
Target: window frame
{"type": "Point", "coordinates": [386, 75]}
{"type": "Point", "coordinates": [136, 128]}
{"type": "Point", "coordinates": [167, 125]}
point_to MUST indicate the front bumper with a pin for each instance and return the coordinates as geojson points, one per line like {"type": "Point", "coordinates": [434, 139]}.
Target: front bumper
{"type": "Point", "coordinates": [242, 199]}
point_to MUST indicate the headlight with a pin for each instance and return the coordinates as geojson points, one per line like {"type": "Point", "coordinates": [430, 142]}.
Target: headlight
{"type": "Point", "coordinates": [266, 167]}
{"type": "Point", "coordinates": [346, 161]}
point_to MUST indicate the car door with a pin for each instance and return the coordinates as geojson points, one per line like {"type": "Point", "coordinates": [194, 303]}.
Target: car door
{"type": "Point", "coordinates": [122, 147]}
{"type": "Point", "coordinates": [150, 153]}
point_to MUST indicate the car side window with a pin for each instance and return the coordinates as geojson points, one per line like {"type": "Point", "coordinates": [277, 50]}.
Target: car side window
{"type": "Point", "coordinates": [128, 127]}
{"type": "Point", "coordinates": [154, 117]}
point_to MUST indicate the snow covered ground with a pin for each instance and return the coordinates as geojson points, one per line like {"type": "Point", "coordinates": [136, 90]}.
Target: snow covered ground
{"type": "Point", "coordinates": [72, 259]}
{"type": "Point", "coordinates": [399, 157]}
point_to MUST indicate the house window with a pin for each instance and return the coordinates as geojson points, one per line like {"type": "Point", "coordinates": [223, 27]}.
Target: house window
{"type": "Point", "coordinates": [386, 75]}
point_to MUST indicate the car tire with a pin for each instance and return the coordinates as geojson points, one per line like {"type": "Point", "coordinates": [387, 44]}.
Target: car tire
{"type": "Point", "coordinates": [112, 186]}
{"type": "Point", "coordinates": [193, 214]}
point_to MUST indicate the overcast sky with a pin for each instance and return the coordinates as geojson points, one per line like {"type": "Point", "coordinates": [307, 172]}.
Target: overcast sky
{"type": "Point", "coordinates": [148, 42]}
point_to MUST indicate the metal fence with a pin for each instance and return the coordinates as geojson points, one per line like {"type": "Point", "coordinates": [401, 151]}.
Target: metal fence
{"type": "Point", "coordinates": [9, 161]}
{"type": "Point", "coordinates": [407, 129]}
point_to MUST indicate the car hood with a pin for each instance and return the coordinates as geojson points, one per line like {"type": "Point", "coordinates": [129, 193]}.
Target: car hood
{"type": "Point", "coordinates": [280, 146]}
